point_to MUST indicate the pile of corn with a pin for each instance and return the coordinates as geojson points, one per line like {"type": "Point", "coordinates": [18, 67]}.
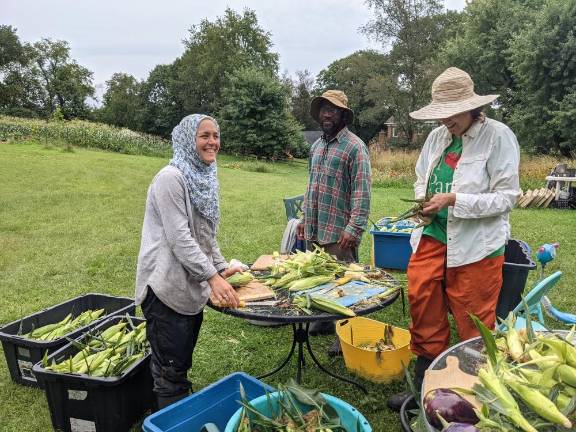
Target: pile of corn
{"type": "Point", "coordinates": [106, 354]}
{"type": "Point", "coordinates": [529, 384]}
{"type": "Point", "coordinates": [67, 325]}
{"type": "Point", "coordinates": [307, 270]}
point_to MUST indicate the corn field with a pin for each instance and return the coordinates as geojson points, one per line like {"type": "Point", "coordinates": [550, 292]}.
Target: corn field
{"type": "Point", "coordinates": [84, 134]}
{"type": "Point", "coordinates": [396, 168]}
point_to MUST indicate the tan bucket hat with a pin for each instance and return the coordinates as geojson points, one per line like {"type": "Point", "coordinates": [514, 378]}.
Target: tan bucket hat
{"type": "Point", "coordinates": [336, 97]}
{"type": "Point", "coordinates": [452, 93]}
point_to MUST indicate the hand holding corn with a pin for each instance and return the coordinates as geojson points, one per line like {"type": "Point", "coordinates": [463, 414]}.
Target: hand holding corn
{"type": "Point", "coordinates": [222, 292]}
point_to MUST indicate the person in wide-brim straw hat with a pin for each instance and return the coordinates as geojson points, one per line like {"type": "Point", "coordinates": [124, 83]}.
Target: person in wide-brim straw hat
{"type": "Point", "coordinates": [467, 177]}
{"type": "Point", "coordinates": [452, 93]}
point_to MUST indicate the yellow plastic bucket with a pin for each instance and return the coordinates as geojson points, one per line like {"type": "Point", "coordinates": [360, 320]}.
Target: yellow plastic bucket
{"type": "Point", "coordinates": [379, 367]}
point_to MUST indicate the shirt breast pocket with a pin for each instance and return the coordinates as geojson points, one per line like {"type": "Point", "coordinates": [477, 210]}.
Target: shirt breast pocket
{"type": "Point", "coordinates": [471, 175]}
{"type": "Point", "coordinates": [333, 180]}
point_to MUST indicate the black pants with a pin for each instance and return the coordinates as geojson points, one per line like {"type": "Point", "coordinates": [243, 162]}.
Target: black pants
{"type": "Point", "coordinates": [172, 338]}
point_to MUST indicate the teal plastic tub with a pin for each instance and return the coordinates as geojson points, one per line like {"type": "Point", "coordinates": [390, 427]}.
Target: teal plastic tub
{"type": "Point", "coordinates": [351, 418]}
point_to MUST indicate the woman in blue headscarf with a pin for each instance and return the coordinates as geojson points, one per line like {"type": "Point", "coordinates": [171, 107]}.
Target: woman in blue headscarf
{"type": "Point", "coordinates": [180, 265]}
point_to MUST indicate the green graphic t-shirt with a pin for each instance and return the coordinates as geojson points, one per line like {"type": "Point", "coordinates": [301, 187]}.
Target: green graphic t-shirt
{"type": "Point", "coordinates": [441, 182]}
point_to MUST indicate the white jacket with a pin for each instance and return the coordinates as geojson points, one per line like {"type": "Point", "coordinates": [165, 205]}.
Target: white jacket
{"type": "Point", "coordinates": [486, 184]}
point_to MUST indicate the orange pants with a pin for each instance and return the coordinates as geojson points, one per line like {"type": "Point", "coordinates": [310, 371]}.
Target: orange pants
{"type": "Point", "coordinates": [471, 288]}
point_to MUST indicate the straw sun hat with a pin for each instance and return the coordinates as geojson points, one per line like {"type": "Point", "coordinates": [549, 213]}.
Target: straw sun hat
{"type": "Point", "coordinates": [452, 93]}
{"type": "Point", "coordinates": [335, 97]}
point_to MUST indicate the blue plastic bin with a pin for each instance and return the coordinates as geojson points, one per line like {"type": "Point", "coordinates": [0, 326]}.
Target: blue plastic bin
{"type": "Point", "coordinates": [215, 403]}
{"type": "Point", "coordinates": [391, 250]}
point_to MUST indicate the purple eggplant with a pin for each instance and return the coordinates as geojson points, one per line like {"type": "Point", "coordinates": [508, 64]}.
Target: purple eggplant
{"type": "Point", "coordinates": [451, 406]}
{"type": "Point", "coordinates": [460, 427]}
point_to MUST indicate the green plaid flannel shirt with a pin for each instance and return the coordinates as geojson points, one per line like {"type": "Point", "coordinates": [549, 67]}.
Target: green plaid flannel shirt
{"type": "Point", "coordinates": [338, 193]}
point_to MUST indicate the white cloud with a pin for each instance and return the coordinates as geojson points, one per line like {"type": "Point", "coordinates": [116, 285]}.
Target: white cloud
{"type": "Point", "coordinates": [131, 36]}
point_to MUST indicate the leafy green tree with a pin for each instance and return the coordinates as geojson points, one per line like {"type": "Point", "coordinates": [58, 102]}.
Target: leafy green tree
{"type": "Point", "coordinates": [414, 29]}
{"type": "Point", "coordinates": [255, 117]}
{"type": "Point", "coordinates": [214, 50]}
{"type": "Point", "coordinates": [481, 46]}
{"type": "Point", "coordinates": [122, 101]}
{"type": "Point", "coordinates": [65, 83]}
{"type": "Point", "coordinates": [352, 75]}
{"type": "Point", "coordinates": [19, 89]}
{"type": "Point", "coordinates": [161, 106]}
{"type": "Point", "coordinates": [543, 61]}
{"type": "Point", "coordinates": [301, 90]}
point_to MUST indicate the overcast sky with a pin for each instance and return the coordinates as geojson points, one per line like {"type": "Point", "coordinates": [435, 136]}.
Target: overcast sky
{"type": "Point", "coordinates": [133, 36]}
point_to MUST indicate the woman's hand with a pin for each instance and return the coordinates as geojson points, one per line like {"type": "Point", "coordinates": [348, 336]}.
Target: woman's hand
{"type": "Point", "coordinates": [223, 293]}
{"type": "Point", "coordinates": [438, 202]}
{"type": "Point", "coordinates": [230, 271]}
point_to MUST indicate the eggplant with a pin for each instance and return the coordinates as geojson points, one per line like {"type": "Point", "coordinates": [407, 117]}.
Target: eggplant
{"type": "Point", "coordinates": [460, 427]}
{"type": "Point", "coordinates": [450, 406]}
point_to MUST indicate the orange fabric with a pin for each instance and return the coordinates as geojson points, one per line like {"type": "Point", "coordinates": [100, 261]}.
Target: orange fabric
{"type": "Point", "coordinates": [471, 288]}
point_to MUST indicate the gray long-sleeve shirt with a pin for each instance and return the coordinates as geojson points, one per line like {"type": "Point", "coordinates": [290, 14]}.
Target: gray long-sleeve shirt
{"type": "Point", "coordinates": [178, 252]}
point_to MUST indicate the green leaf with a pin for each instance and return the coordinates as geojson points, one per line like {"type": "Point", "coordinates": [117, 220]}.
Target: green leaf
{"type": "Point", "coordinates": [488, 338]}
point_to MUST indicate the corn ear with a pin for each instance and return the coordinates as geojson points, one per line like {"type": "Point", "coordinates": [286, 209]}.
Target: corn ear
{"type": "Point", "coordinates": [310, 282]}
{"type": "Point", "coordinates": [331, 307]}
{"type": "Point", "coordinates": [566, 374]}
{"type": "Point", "coordinates": [240, 279]}
{"type": "Point", "coordinates": [539, 403]}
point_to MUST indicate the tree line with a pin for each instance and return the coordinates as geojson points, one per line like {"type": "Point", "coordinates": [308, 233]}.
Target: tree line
{"type": "Point", "coordinates": [524, 50]}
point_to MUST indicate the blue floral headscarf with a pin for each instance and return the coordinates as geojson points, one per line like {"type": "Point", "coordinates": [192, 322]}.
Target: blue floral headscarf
{"type": "Point", "coordinates": [201, 178]}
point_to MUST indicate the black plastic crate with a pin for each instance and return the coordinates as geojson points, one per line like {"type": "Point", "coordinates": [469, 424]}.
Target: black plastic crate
{"type": "Point", "coordinates": [517, 263]}
{"type": "Point", "coordinates": [22, 353]}
{"type": "Point", "coordinates": [97, 404]}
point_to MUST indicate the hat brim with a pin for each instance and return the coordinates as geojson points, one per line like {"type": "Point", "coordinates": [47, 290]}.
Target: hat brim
{"type": "Point", "coordinates": [439, 111]}
{"type": "Point", "coordinates": [317, 103]}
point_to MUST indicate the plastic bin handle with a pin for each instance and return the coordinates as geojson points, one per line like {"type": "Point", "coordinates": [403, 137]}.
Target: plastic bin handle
{"type": "Point", "coordinates": [209, 427]}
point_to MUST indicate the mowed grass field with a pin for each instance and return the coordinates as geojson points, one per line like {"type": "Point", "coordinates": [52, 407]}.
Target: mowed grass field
{"type": "Point", "coordinates": [70, 224]}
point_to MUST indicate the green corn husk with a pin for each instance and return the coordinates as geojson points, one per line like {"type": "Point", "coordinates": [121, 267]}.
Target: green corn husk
{"type": "Point", "coordinates": [331, 307]}
{"type": "Point", "coordinates": [511, 410]}
{"type": "Point", "coordinates": [539, 403]}
{"type": "Point", "coordinates": [240, 279]}
{"type": "Point", "coordinates": [566, 374]}
{"type": "Point", "coordinates": [47, 329]}
{"type": "Point", "coordinates": [561, 348]}
{"type": "Point", "coordinates": [310, 282]}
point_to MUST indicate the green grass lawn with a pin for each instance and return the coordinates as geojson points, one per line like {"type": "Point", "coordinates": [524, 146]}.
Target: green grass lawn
{"type": "Point", "coordinates": [70, 224]}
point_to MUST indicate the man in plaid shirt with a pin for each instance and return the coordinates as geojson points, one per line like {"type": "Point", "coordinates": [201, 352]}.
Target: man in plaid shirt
{"type": "Point", "coordinates": [337, 201]}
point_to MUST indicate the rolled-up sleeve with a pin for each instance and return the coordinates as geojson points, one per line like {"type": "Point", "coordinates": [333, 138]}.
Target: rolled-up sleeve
{"type": "Point", "coordinates": [502, 166]}
{"type": "Point", "coordinates": [361, 182]}
{"type": "Point", "coordinates": [171, 207]}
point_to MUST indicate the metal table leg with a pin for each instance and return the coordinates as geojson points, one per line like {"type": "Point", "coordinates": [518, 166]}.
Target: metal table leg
{"type": "Point", "coordinates": [300, 337]}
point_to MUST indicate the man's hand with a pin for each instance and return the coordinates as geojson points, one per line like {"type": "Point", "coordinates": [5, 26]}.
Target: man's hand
{"type": "Point", "coordinates": [438, 202]}
{"type": "Point", "coordinates": [347, 240]}
{"type": "Point", "coordinates": [300, 231]}
{"type": "Point", "coordinates": [222, 292]}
